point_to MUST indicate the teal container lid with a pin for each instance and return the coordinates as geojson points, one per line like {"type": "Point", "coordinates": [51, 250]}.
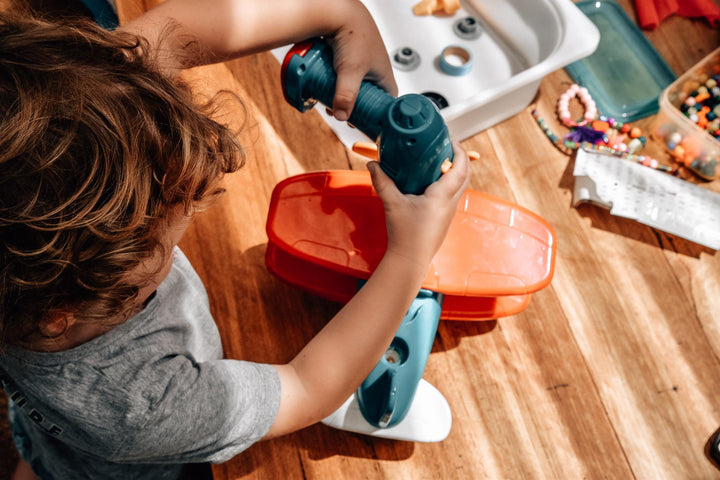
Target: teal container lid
{"type": "Point", "coordinates": [626, 74]}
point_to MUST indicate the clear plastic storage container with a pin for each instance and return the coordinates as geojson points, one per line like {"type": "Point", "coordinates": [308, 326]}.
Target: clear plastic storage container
{"type": "Point", "coordinates": [690, 140]}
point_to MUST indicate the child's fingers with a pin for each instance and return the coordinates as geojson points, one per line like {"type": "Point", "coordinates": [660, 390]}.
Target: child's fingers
{"type": "Point", "coordinates": [384, 186]}
{"type": "Point", "coordinates": [346, 90]}
{"type": "Point", "coordinates": [348, 83]}
{"type": "Point", "coordinates": [387, 83]}
{"type": "Point", "coordinates": [354, 63]}
{"type": "Point", "coordinates": [458, 177]}
{"type": "Point", "coordinates": [461, 161]}
{"type": "Point", "coordinates": [451, 184]}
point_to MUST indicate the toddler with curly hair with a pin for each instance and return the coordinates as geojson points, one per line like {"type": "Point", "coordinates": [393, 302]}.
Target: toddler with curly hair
{"type": "Point", "coordinates": [108, 351]}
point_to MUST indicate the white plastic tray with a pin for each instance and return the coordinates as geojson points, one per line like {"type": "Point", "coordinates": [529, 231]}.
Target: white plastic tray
{"type": "Point", "coordinates": [521, 42]}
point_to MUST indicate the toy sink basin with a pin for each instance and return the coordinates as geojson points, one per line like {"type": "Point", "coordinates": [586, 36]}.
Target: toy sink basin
{"type": "Point", "coordinates": [326, 230]}
{"type": "Point", "coordinates": [521, 41]}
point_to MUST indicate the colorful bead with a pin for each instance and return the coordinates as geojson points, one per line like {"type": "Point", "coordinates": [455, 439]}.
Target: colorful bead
{"type": "Point", "coordinates": [604, 131]}
{"type": "Point", "coordinates": [600, 125]}
{"type": "Point", "coordinates": [708, 170]}
{"type": "Point", "coordinates": [617, 141]}
{"type": "Point", "coordinates": [700, 100]}
{"type": "Point", "coordinates": [634, 145]}
{"type": "Point", "coordinates": [678, 152]}
{"type": "Point", "coordinates": [640, 159]}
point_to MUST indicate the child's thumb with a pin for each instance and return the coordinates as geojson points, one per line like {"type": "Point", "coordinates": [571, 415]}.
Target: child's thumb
{"type": "Point", "coordinates": [384, 186]}
{"type": "Point", "coordinates": [346, 91]}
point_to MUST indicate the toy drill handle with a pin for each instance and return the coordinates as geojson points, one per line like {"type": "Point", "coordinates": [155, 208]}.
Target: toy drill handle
{"type": "Point", "coordinates": [386, 395]}
{"type": "Point", "coordinates": [308, 76]}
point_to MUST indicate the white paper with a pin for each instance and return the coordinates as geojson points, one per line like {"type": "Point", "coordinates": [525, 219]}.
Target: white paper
{"type": "Point", "coordinates": [649, 196]}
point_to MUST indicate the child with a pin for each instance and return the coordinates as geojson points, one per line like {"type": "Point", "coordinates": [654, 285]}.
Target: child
{"type": "Point", "coordinates": [108, 351]}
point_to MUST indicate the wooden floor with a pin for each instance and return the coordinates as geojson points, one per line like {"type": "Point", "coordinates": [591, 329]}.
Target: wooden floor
{"type": "Point", "coordinates": [613, 371]}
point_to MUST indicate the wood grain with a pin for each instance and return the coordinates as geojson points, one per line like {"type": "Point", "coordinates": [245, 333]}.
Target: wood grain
{"type": "Point", "coordinates": [613, 371]}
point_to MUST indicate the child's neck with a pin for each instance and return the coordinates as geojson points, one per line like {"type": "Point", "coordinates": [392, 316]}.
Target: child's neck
{"type": "Point", "coordinates": [74, 336]}
{"type": "Point", "coordinates": [80, 332]}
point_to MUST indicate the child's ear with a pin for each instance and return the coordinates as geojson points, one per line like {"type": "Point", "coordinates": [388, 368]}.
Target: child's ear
{"type": "Point", "coordinates": [56, 323]}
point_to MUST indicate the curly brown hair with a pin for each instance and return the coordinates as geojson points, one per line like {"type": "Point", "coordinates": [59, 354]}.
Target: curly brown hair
{"type": "Point", "coordinates": [96, 148]}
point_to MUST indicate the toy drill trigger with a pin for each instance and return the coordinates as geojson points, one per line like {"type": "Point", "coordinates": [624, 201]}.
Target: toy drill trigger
{"type": "Point", "coordinates": [446, 166]}
{"type": "Point", "coordinates": [366, 149]}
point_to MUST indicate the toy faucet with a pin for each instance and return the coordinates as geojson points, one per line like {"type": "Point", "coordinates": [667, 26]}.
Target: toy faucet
{"type": "Point", "coordinates": [413, 141]}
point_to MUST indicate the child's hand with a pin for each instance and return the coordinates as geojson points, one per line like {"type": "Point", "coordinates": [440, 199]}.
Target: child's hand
{"type": "Point", "coordinates": [417, 224]}
{"type": "Point", "coordinates": [359, 53]}
{"type": "Point", "coordinates": [314, 383]}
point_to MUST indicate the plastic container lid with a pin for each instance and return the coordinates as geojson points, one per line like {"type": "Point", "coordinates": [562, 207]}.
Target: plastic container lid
{"type": "Point", "coordinates": [626, 74]}
{"type": "Point", "coordinates": [327, 229]}
{"type": "Point", "coordinates": [341, 287]}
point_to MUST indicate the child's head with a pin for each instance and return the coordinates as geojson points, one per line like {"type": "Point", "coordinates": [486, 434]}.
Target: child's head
{"type": "Point", "coordinates": [96, 149]}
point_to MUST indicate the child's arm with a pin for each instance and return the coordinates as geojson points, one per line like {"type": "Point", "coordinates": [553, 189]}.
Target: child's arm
{"type": "Point", "coordinates": [186, 33]}
{"type": "Point", "coordinates": [331, 367]}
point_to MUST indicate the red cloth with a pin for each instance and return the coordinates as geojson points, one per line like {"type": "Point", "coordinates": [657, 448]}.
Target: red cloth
{"type": "Point", "coordinates": [652, 12]}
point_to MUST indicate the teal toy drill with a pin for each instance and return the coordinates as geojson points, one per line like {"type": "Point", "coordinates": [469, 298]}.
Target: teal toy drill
{"type": "Point", "coordinates": [413, 144]}
{"type": "Point", "coordinates": [413, 140]}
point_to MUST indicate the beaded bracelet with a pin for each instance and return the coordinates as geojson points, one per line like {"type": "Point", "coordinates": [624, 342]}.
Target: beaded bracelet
{"type": "Point", "coordinates": [586, 100]}
{"type": "Point", "coordinates": [567, 143]}
{"type": "Point", "coordinates": [643, 160]}
{"type": "Point", "coordinates": [604, 134]}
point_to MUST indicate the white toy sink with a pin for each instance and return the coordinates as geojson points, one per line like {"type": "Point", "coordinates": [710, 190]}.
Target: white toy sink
{"type": "Point", "coordinates": [520, 42]}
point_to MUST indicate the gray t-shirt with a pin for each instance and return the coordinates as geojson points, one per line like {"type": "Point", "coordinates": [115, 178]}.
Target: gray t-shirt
{"type": "Point", "coordinates": [144, 397]}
